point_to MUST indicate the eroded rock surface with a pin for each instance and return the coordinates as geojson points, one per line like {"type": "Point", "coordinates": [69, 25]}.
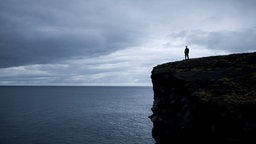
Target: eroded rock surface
{"type": "Point", "coordinates": [209, 100]}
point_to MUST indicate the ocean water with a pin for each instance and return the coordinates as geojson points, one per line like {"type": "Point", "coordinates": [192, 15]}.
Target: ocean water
{"type": "Point", "coordinates": [75, 115]}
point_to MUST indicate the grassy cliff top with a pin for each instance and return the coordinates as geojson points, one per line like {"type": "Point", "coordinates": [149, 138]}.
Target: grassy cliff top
{"type": "Point", "coordinates": [231, 78]}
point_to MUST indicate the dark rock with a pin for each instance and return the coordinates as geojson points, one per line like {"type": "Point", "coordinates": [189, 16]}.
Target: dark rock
{"type": "Point", "coordinates": [209, 100]}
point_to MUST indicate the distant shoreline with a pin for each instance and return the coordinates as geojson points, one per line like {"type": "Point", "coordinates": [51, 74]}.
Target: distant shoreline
{"type": "Point", "coordinates": [68, 86]}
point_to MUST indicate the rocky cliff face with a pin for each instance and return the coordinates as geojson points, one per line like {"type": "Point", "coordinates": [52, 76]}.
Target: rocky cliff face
{"type": "Point", "coordinates": [209, 100]}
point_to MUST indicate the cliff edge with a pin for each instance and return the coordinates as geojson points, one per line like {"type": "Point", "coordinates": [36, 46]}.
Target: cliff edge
{"type": "Point", "coordinates": [210, 100]}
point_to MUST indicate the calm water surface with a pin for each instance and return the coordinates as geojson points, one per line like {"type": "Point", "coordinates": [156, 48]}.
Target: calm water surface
{"type": "Point", "coordinates": [75, 115]}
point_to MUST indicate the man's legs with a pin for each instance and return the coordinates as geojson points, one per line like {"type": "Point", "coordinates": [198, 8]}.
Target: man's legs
{"type": "Point", "coordinates": [186, 56]}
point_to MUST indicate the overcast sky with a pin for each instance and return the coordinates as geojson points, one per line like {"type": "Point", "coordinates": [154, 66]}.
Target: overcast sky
{"type": "Point", "coordinates": [115, 42]}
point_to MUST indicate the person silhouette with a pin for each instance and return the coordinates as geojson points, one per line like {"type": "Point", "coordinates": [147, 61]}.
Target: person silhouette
{"type": "Point", "coordinates": [186, 51]}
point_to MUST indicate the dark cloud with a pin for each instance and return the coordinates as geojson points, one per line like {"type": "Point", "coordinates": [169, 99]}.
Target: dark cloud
{"type": "Point", "coordinates": [45, 32]}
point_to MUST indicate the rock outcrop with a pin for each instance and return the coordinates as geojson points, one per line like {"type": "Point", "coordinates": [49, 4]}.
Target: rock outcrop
{"type": "Point", "coordinates": [209, 100]}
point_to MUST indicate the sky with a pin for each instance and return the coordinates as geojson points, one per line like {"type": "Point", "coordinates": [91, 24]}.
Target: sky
{"type": "Point", "coordinates": [115, 42]}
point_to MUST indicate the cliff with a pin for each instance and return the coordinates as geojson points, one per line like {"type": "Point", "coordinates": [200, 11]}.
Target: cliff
{"type": "Point", "coordinates": [209, 100]}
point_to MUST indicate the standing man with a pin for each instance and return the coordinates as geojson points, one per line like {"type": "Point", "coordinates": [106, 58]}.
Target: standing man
{"type": "Point", "coordinates": [186, 51]}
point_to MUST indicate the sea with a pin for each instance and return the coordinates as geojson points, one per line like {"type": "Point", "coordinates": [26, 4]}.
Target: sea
{"type": "Point", "coordinates": [75, 115]}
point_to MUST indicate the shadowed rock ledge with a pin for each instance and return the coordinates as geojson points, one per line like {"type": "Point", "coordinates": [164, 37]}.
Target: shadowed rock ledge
{"type": "Point", "coordinates": [209, 100]}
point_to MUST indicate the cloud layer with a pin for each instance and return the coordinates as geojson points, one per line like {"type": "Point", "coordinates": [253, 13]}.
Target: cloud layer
{"type": "Point", "coordinates": [114, 42]}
